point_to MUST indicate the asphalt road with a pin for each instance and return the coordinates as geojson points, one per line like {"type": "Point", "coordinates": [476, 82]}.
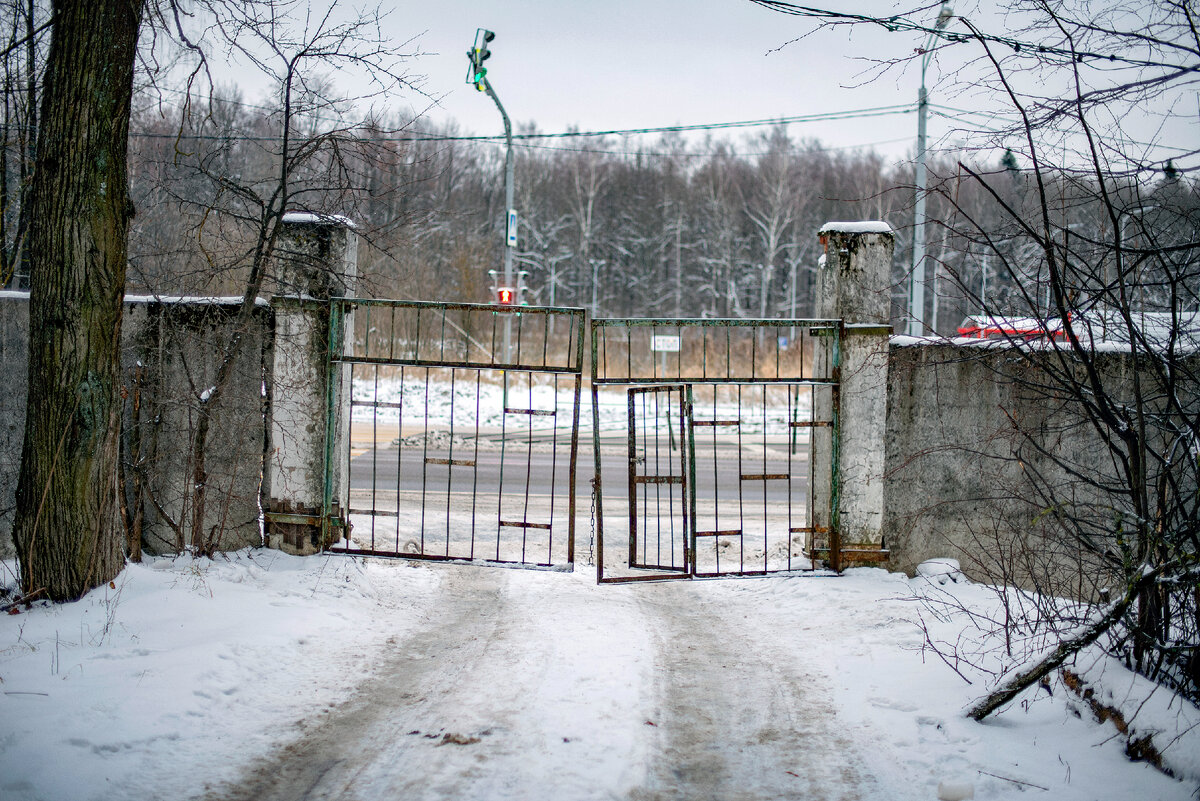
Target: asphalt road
{"type": "Point", "coordinates": [389, 469]}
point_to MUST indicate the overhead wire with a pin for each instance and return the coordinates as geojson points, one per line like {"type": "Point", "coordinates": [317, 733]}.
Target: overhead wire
{"type": "Point", "coordinates": [901, 23]}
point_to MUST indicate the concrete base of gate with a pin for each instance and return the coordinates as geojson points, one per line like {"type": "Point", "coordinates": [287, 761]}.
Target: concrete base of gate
{"type": "Point", "coordinates": [298, 531]}
{"type": "Point", "coordinates": [861, 555]}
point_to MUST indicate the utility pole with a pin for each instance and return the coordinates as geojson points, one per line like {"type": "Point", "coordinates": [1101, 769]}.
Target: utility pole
{"type": "Point", "coordinates": [916, 308]}
{"type": "Point", "coordinates": [506, 293]}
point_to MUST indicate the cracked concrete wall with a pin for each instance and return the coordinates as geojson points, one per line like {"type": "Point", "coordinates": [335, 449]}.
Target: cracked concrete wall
{"type": "Point", "coordinates": [170, 353]}
{"type": "Point", "coordinates": [14, 360]}
{"type": "Point", "coordinates": [171, 350]}
{"type": "Point", "coordinates": [965, 429]}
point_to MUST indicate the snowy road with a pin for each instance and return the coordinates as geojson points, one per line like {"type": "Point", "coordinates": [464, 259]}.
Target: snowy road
{"type": "Point", "coordinates": [262, 675]}
{"type": "Point", "coordinates": [543, 695]}
{"type": "Point", "coordinates": [734, 717]}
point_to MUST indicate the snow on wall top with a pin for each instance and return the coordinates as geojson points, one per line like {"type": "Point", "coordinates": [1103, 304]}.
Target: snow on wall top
{"type": "Point", "coordinates": [229, 300]}
{"type": "Point", "coordinates": [316, 218]}
{"type": "Point", "coordinates": [863, 227]}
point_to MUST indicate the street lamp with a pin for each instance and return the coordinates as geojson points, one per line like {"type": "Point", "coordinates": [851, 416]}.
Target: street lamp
{"type": "Point", "coordinates": [477, 75]}
{"type": "Point", "coordinates": [916, 308]}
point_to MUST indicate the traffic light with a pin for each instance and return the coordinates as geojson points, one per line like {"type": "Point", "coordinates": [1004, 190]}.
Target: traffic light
{"type": "Point", "coordinates": [478, 54]}
{"type": "Point", "coordinates": [505, 295]}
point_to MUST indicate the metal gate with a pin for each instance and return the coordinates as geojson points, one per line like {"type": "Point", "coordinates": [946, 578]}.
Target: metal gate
{"type": "Point", "coordinates": [463, 431]}
{"type": "Point", "coordinates": [723, 423]}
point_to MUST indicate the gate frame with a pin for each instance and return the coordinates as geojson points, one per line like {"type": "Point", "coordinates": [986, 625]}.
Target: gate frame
{"type": "Point", "coordinates": [340, 365]}
{"type": "Point", "coordinates": [827, 335]}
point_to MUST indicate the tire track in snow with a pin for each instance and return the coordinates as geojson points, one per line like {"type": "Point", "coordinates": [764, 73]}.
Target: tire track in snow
{"type": "Point", "coordinates": [545, 691]}
{"type": "Point", "coordinates": [362, 741]}
{"type": "Point", "coordinates": [736, 720]}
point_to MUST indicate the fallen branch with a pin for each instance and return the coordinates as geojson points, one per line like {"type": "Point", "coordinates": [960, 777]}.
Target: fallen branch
{"type": "Point", "coordinates": [1012, 687]}
{"type": "Point", "coordinates": [1139, 749]}
{"type": "Point", "coordinates": [1014, 781]}
{"type": "Point", "coordinates": [24, 599]}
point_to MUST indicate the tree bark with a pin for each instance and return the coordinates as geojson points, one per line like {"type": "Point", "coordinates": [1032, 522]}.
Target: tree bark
{"type": "Point", "coordinates": [67, 529]}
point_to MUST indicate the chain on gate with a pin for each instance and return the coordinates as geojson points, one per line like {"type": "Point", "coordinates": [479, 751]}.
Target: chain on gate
{"type": "Point", "coordinates": [591, 557]}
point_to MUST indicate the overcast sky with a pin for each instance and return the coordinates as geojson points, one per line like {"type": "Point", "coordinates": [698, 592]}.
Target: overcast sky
{"type": "Point", "coordinates": [624, 64]}
{"type": "Point", "coordinates": [632, 63]}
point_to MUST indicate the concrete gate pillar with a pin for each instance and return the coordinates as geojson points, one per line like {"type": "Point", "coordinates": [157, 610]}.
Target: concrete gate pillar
{"type": "Point", "coordinates": [316, 259]}
{"type": "Point", "coordinates": [846, 473]}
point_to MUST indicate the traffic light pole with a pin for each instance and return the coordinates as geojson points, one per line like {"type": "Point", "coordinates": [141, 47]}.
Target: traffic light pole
{"type": "Point", "coordinates": [508, 204]}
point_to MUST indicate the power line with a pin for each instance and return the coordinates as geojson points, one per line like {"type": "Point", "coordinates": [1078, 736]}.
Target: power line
{"type": "Point", "coordinates": [901, 23]}
{"type": "Point", "coordinates": [820, 148]}
{"type": "Point", "coordinates": [425, 136]}
{"type": "Point", "coordinates": [829, 116]}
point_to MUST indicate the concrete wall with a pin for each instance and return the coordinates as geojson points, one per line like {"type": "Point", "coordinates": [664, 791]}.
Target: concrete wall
{"type": "Point", "coordinates": [170, 354]}
{"type": "Point", "coordinates": [14, 356]}
{"type": "Point", "coordinates": [968, 434]}
{"type": "Point", "coordinates": [172, 349]}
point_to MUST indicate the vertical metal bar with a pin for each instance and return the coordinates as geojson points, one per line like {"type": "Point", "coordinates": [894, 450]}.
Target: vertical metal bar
{"type": "Point", "coordinates": [392, 336]}
{"type": "Point", "coordinates": [653, 360]}
{"type": "Point", "coordinates": [332, 368]}
{"type": "Point", "coordinates": [684, 484]}
{"type": "Point", "coordinates": [503, 445]}
{"type": "Point", "coordinates": [597, 475]}
{"type": "Point", "coordinates": [778, 352]}
{"type": "Point", "coordinates": [689, 554]}
{"type": "Point", "coordinates": [528, 455]}
{"type": "Point", "coordinates": [553, 472]}
{"type": "Point", "coordinates": [628, 352]}
{"type": "Point", "coordinates": [658, 524]}
{"type": "Point", "coordinates": [789, 420]}
{"type": "Point", "coordinates": [632, 479]}
{"type": "Point", "coordinates": [766, 519]}
{"type": "Point", "coordinates": [520, 326]}
{"type": "Point", "coordinates": [716, 486]}
{"type": "Point", "coordinates": [442, 341]}
{"type": "Point", "coordinates": [492, 346]}
{"type": "Point", "coordinates": [741, 499]}
{"type": "Point", "coordinates": [754, 335]}
{"type": "Point", "coordinates": [475, 472]}
{"type": "Point", "coordinates": [374, 453]}
{"type": "Point", "coordinates": [424, 455]}
{"type": "Point", "coordinates": [349, 445]}
{"type": "Point", "coordinates": [679, 356]}
{"type": "Point", "coordinates": [450, 446]}
{"type": "Point", "coordinates": [576, 320]}
{"type": "Point", "coordinates": [399, 454]}
{"type": "Point", "coordinates": [728, 352]}
{"type": "Point", "coordinates": [805, 335]}
{"type": "Point", "coordinates": [367, 331]}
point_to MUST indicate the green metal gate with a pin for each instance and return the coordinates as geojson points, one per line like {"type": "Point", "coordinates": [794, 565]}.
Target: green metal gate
{"type": "Point", "coordinates": [724, 421]}
{"type": "Point", "coordinates": [463, 433]}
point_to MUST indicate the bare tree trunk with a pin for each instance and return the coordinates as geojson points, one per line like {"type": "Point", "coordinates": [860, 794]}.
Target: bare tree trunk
{"type": "Point", "coordinates": [68, 531]}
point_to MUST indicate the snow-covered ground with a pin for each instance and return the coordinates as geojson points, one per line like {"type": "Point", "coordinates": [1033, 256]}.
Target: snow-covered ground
{"type": "Point", "coordinates": [430, 398]}
{"type": "Point", "coordinates": [260, 675]}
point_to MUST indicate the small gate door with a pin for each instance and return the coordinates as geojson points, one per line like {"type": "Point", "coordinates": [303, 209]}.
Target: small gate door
{"type": "Point", "coordinates": [659, 513]}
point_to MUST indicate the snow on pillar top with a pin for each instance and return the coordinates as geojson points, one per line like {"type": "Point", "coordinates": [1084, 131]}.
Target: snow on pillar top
{"type": "Point", "coordinates": [854, 277]}
{"type": "Point", "coordinates": [316, 255]}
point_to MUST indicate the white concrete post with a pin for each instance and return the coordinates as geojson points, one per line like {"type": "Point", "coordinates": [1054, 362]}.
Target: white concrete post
{"type": "Point", "coordinates": [846, 478]}
{"type": "Point", "coordinates": [316, 259]}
